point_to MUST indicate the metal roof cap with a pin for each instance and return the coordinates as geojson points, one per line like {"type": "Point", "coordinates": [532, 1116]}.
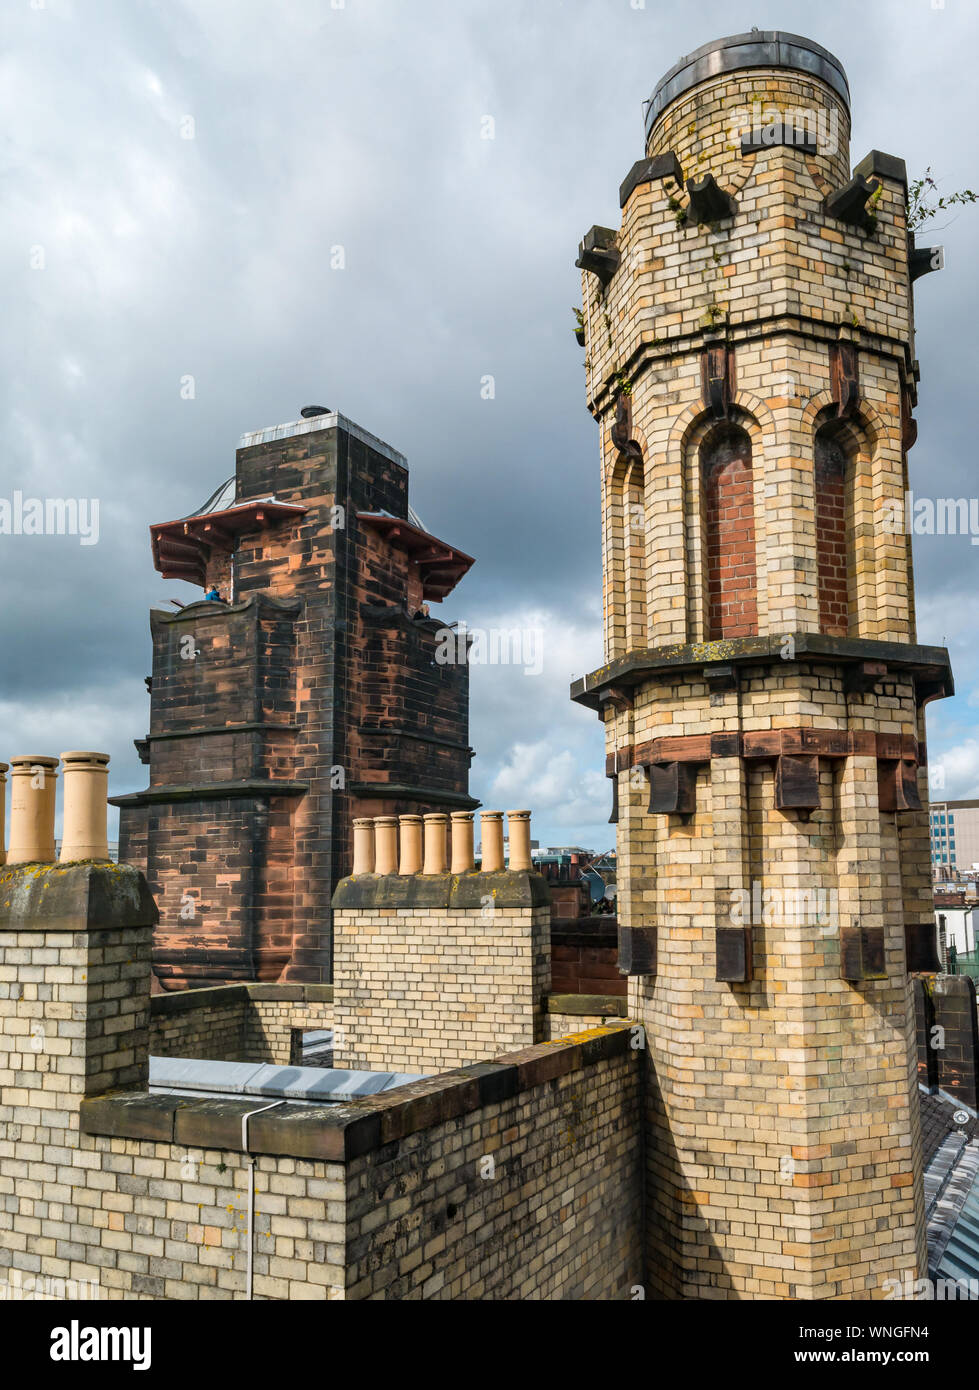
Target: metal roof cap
{"type": "Point", "coordinates": [761, 48]}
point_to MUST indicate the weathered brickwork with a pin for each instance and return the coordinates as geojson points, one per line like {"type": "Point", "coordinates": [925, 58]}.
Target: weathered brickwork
{"type": "Point", "coordinates": [310, 695]}
{"type": "Point", "coordinates": [422, 989]}
{"type": "Point", "coordinates": [238, 1023]}
{"type": "Point", "coordinates": [780, 283]}
{"type": "Point", "coordinates": [277, 1019]}
{"type": "Point", "coordinates": [584, 957]}
{"type": "Point", "coordinates": [216, 1025]}
{"type": "Point", "coordinates": [729, 527]}
{"type": "Point", "coordinates": [754, 367]}
{"type": "Point", "coordinates": [832, 558]}
{"type": "Point", "coordinates": [517, 1177]}
{"type": "Point", "coordinates": [536, 1197]}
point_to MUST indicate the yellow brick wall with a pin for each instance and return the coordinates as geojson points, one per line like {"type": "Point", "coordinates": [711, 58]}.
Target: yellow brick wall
{"type": "Point", "coordinates": [783, 1150]}
{"type": "Point", "coordinates": [536, 1197]}
{"type": "Point", "coordinates": [426, 989]}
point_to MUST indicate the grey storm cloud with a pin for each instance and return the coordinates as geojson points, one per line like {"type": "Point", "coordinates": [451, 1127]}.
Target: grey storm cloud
{"type": "Point", "coordinates": [178, 179]}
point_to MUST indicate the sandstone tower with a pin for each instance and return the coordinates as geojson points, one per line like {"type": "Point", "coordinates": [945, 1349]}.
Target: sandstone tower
{"type": "Point", "coordinates": [309, 695]}
{"type": "Point", "coordinates": [750, 362]}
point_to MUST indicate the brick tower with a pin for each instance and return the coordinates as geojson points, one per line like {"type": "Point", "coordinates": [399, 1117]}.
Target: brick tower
{"type": "Point", "coordinates": [311, 694]}
{"type": "Point", "coordinates": [750, 361]}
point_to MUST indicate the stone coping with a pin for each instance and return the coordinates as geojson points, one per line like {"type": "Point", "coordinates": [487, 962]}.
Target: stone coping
{"type": "Point", "coordinates": [259, 787]}
{"type": "Point", "coordinates": [341, 1132]}
{"type": "Point", "coordinates": [601, 931]}
{"type": "Point", "coordinates": [459, 892]}
{"type": "Point", "coordinates": [405, 791]}
{"type": "Point", "coordinates": [208, 608]}
{"type": "Point", "coordinates": [315, 424]}
{"type": "Point", "coordinates": [589, 1005]}
{"type": "Point", "coordinates": [87, 896]}
{"type": "Point", "coordinates": [673, 660]}
{"type": "Point", "coordinates": [243, 991]}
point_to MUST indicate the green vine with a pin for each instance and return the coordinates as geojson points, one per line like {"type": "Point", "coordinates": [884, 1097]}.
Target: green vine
{"type": "Point", "coordinates": [870, 215]}
{"type": "Point", "coordinates": [925, 201]}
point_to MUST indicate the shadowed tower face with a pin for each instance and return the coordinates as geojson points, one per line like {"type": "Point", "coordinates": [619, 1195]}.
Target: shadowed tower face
{"type": "Point", "coordinates": [750, 364]}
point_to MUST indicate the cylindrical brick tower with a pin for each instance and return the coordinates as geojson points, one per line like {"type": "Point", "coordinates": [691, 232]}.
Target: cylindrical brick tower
{"type": "Point", "coordinates": [750, 363]}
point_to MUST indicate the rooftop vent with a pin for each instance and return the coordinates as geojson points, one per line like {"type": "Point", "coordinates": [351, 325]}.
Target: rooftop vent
{"type": "Point", "coordinates": [309, 412]}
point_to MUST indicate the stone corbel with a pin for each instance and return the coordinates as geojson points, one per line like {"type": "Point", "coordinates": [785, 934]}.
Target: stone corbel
{"type": "Point", "coordinates": [621, 429]}
{"type": "Point", "coordinates": [844, 373]}
{"type": "Point", "coordinates": [708, 201]}
{"type": "Point", "coordinates": [721, 679]}
{"type": "Point", "coordinates": [717, 378]}
{"type": "Point", "coordinates": [797, 783]}
{"type": "Point", "coordinates": [598, 254]}
{"type": "Point", "coordinates": [862, 953]}
{"type": "Point", "coordinates": [637, 950]}
{"type": "Point", "coordinates": [922, 260]}
{"type": "Point", "coordinates": [862, 678]}
{"type": "Point", "coordinates": [909, 425]}
{"type": "Point", "coordinates": [617, 697]}
{"type": "Point", "coordinates": [849, 203]}
{"type": "Point", "coordinates": [920, 948]}
{"type": "Point", "coordinates": [897, 785]}
{"type": "Point", "coordinates": [732, 954]}
{"type": "Point", "coordinates": [665, 167]}
{"type": "Point", "coordinates": [673, 788]}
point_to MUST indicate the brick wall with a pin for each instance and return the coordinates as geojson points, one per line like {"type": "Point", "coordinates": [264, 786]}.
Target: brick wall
{"type": "Point", "coordinates": [729, 532]}
{"type": "Point", "coordinates": [793, 1025]}
{"type": "Point", "coordinates": [778, 320]}
{"type": "Point", "coordinates": [515, 1177]}
{"type": "Point", "coordinates": [237, 1023]}
{"type": "Point", "coordinates": [831, 542]}
{"type": "Point", "coordinates": [535, 1196]}
{"type": "Point", "coordinates": [584, 957]}
{"type": "Point", "coordinates": [434, 971]}
{"type": "Point", "coordinates": [202, 1023]}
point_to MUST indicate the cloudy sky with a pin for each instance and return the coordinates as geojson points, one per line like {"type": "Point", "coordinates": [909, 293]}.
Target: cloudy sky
{"type": "Point", "coordinates": [176, 175]}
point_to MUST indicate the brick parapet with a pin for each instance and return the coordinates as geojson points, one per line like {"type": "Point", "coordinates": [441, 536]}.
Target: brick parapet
{"type": "Point", "coordinates": [341, 1132]}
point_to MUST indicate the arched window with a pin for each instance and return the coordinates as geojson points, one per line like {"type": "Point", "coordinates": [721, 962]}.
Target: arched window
{"type": "Point", "coordinates": [728, 509]}
{"type": "Point", "coordinates": [625, 543]}
{"type": "Point", "coordinates": [635, 557]}
{"type": "Point", "coordinates": [833, 578]}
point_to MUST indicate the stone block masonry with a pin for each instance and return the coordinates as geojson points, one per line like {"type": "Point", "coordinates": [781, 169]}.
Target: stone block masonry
{"type": "Point", "coordinates": [308, 695]}
{"type": "Point", "coordinates": [238, 1023]}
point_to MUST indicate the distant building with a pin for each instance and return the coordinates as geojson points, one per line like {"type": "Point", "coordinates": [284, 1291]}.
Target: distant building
{"type": "Point", "coordinates": [954, 829]}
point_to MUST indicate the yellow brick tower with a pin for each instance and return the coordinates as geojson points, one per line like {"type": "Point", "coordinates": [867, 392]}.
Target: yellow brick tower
{"type": "Point", "coordinates": [750, 363]}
